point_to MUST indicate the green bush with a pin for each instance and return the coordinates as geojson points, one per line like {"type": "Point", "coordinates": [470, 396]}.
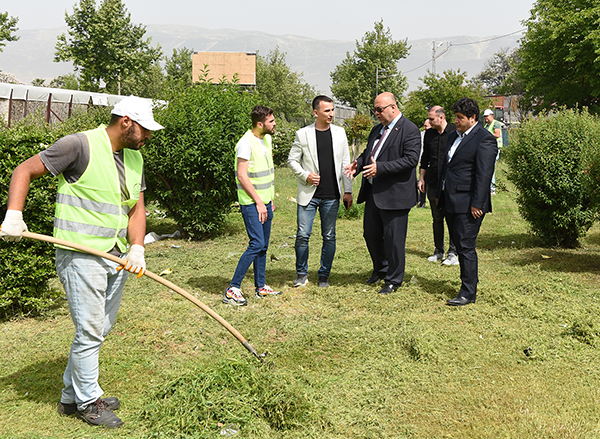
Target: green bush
{"type": "Point", "coordinates": [190, 164]}
{"type": "Point", "coordinates": [282, 141]}
{"type": "Point", "coordinates": [26, 267]}
{"type": "Point", "coordinates": [545, 162]}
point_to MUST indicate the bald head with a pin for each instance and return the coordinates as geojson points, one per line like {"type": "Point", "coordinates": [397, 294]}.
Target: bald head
{"type": "Point", "coordinates": [437, 118]}
{"type": "Point", "coordinates": [386, 108]}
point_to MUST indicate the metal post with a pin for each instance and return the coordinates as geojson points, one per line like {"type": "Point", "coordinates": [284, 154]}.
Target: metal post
{"type": "Point", "coordinates": [25, 105]}
{"type": "Point", "coordinates": [48, 108]}
{"type": "Point", "coordinates": [10, 102]}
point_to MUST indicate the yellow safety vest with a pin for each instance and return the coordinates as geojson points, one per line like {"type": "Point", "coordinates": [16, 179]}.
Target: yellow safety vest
{"type": "Point", "coordinates": [261, 171]}
{"type": "Point", "coordinates": [491, 129]}
{"type": "Point", "coordinates": [90, 211]}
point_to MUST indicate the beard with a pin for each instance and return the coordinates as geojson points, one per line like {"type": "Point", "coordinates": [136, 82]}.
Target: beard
{"type": "Point", "coordinates": [129, 139]}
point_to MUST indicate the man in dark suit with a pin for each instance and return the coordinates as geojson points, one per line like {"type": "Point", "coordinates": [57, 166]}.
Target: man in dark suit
{"type": "Point", "coordinates": [464, 190]}
{"type": "Point", "coordinates": [389, 189]}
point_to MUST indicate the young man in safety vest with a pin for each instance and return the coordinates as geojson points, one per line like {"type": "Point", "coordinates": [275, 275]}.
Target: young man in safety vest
{"type": "Point", "coordinates": [255, 174]}
{"type": "Point", "coordinates": [100, 203]}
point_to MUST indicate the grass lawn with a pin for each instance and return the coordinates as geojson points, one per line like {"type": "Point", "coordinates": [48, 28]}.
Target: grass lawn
{"type": "Point", "coordinates": [343, 362]}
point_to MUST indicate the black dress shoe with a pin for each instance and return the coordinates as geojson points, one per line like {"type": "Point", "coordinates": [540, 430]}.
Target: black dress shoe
{"type": "Point", "coordinates": [376, 277]}
{"type": "Point", "coordinates": [459, 301]}
{"type": "Point", "coordinates": [388, 288]}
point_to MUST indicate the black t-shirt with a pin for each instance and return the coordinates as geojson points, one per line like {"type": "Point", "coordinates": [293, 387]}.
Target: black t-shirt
{"type": "Point", "coordinates": [434, 152]}
{"type": "Point", "coordinates": [328, 187]}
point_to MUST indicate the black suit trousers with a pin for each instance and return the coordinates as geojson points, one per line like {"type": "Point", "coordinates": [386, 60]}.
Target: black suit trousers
{"type": "Point", "coordinates": [385, 235]}
{"type": "Point", "coordinates": [463, 232]}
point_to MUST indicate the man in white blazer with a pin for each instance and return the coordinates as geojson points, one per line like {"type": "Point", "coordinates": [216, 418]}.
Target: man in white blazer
{"type": "Point", "coordinates": [317, 158]}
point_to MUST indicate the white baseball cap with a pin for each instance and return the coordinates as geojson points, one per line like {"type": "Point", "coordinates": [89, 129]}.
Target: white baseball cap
{"type": "Point", "coordinates": [139, 110]}
{"type": "Point", "coordinates": [488, 112]}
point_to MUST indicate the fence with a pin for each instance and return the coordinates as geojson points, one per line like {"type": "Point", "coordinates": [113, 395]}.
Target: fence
{"type": "Point", "coordinates": [55, 104]}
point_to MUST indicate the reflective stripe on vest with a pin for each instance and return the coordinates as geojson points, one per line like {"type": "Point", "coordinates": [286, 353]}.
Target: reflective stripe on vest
{"type": "Point", "coordinates": [91, 211]}
{"type": "Point", "coordinates": [261, 171]}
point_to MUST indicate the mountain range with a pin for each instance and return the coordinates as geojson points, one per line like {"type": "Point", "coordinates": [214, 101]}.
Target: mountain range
{"type": "Point", "coordinates": [32, 55]}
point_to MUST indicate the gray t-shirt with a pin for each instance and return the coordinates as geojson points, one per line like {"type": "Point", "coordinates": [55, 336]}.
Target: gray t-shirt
{"type": "Point", "coordinates": [70, 156]}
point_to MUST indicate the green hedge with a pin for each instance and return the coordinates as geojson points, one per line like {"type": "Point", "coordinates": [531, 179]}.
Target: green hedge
{"type": "Point", "coordinates": [190, 164]}
{"type": "Point", "coordinates": [546, 160]}
{"type": "Point", "coordinates": [26, 267]}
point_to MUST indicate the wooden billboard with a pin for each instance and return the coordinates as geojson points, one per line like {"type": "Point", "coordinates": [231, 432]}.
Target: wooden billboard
{"type": "Point", "coordinates": [225, 65]}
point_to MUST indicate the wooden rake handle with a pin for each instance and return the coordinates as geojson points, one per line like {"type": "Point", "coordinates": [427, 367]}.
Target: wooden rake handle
{"type": "Point", "coordinates": [153, 276]}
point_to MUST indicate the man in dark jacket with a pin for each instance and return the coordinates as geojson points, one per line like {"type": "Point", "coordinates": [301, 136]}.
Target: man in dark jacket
{"type": "Point", "coordinates": [464, 190]}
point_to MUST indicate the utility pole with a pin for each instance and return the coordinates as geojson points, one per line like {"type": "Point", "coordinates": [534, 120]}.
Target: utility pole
{"type": "Point", "coordinates": [433, 55]}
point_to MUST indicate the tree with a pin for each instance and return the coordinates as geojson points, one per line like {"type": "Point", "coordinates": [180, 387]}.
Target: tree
{"type": "Point", "coordinates": [496, 72]}
{"type": "Point", "coordinates": [105, 47]}
{"type": "Point", "coordinates": [371, 69]}
{"type": "Point", "coordinates": [444, 91]}
{"type": "Point", "coordinates": [68, 81]}
{"type": "Point", "coordinates": [561, 55]}
{"type": "Point", "coordinates": [281, 88]}
{"type": "Point", "coordinates": [38, 82]}
{"type": "Point", "coordinates": [8, 27]}
{"type": "Point", "coordinates": [179, 66]}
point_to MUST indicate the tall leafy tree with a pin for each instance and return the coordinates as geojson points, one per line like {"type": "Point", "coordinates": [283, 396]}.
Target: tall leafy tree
{"type": "Point", "coordinates": [8, 27]}
{"type": "Point", "coordinates": [443, 90]}
{"type": "Point", "coordinates": [105, 47]}
{"type": "Point", "coordinates": [560, 55]}
{"type": "Point", "coordinates": [281, 88]}
{"type": "Point", "coordinates": [179, 65]}
{"type": "Point", "coordinates": [497, 72]}
{"type": "Point", "coordinates": [371, 69]}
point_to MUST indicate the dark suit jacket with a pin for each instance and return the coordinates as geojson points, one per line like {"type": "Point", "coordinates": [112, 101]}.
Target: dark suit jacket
{"type": "Point", "coordinates": [469, 174]}
{"type": "Point", "coordinates": [434, 153]}
{"type": "Point", "coordinates": [394, 186]}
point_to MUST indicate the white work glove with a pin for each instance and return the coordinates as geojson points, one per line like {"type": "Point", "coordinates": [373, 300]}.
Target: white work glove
{"type": "Point", "coordinates": [13, 226]}
{"type": "Point", "coordinates": [135, 260]}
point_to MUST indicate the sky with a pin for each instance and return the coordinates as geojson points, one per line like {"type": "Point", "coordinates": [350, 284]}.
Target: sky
{"type": "Point", "coordinates": [345, 20]}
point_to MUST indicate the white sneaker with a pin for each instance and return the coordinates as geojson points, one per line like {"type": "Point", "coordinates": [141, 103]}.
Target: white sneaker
{"type": "Point", "coordinates": [436, 257]}
{"type": "Point", "coordinates": [265, 291]}
{"type": "Point", "coordinates": [452, 259]}
{"type": "Point", "coordinates": [234, 296]}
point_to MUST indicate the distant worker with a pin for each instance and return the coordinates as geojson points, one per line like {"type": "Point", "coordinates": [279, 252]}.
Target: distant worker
{"type": "Point", "coordinates": [463, 190]}
{"type": "Point", "coordinates": [100, 204]}
{"type": "Point", "coordinates": [494, 127]}
{"type": "Point", "coordinates": [255, 180]}
{"type": "Point", "coordinates": [422, 194]}
{"type": "Point", "coordinates": [317, 158]}
{"type": "Point", "coordinates": [434, 151]}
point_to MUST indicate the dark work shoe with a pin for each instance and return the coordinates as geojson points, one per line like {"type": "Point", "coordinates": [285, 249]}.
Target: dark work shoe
{"type": "Point", "coordinates": [70, 409]}
{"type": "Point", "coordinates": [98, 413]}
{"type": "Point", "coordinates": [375, 277]}
{"type": "Point", "coordinates": [388, 288]}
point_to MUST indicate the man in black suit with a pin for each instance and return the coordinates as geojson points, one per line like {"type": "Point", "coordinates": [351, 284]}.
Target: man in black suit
{"type": "Point", "coordinates": [388, 188]}
{"type": "Point", "coordinates": [464, 190]}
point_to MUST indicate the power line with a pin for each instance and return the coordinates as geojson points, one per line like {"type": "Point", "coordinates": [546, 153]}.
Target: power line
{"type": "Point", "coordinates": [464, 44]}
{"type": "Point", "coordinates": [490, 39]}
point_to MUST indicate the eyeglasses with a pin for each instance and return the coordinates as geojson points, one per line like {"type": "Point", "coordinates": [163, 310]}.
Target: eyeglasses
{"type": "Point", "coordinates": [379, 109]}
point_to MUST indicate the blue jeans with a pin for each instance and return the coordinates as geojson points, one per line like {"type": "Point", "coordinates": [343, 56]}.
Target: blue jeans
{"type": "Point", "coordinates": [493, 184]}
{"type": "Point", "coordinates": [256, 253]}
{"type": "Point", "coordinates": [94, 289]}
{"type": "Point", "coordinates": [328, 210]}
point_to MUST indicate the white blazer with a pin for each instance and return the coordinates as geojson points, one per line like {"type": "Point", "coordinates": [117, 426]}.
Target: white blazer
{"type": "Point", "coordinates": [303, 159]}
